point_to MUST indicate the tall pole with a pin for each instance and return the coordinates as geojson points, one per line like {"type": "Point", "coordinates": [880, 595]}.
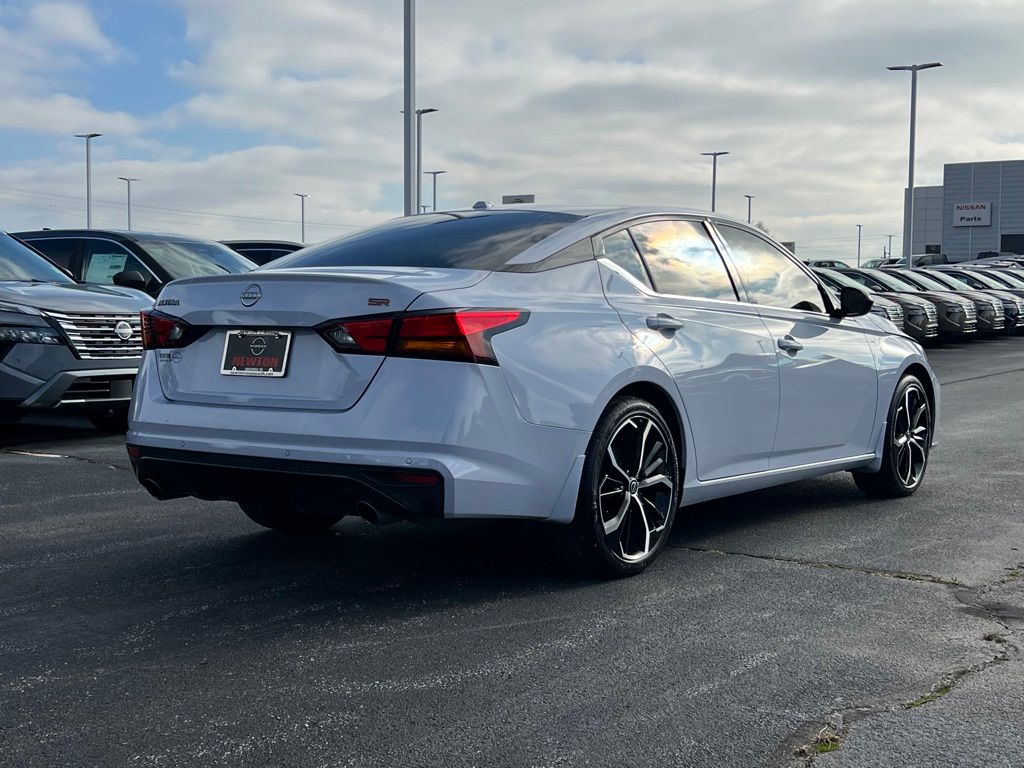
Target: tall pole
{"type": "Point", "coordinates": [749, 201]}
{"type": "Point", "coordinates": [419, 153]}
{"type": "Point", "coordinates": [302, 213]}
{"type": "Point", "coordinates": [128, 180]}
{"type": "Point", "coordinates": [913, 69]}
{"type": "Point", "coordinates": [411, 202]}
{"type": "Point", "coordinates": [88, 174]}
{"type": "Point", "coordinates": [858, 245]}
{"type": "Point", "coordinates": [714, 174]}
{"type": "Point", "coordinates": [890, 245]}
{"type": "Point", "coordinates": [435, 174]}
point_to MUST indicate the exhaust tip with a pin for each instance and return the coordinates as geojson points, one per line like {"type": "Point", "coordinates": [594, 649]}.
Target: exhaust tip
{"type": "Point", "coordinates": [154, 488]}
{"type": "Point", "coordinates": [374, 516]}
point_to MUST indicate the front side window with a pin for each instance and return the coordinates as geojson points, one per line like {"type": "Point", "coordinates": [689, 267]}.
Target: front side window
{"type": "Point", "coordinates": [101, 260]}
{"type": "Point", "coordinates": [620, 250]}
{"type": "Point", "coordinates": [769, 275]}
{"type": "Point", "coordinates": [683, 260]}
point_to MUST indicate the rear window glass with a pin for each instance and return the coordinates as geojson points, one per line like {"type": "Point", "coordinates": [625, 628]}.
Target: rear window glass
{"type": "Point", "coordinates": [485, 240]}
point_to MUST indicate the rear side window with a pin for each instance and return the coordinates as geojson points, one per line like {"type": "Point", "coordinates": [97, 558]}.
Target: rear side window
{"type": "Point", "coordinates": [102, 260]}
{"type": "Point", "coordinates": [478, 240]}
{"type": "Point", "coordinates": [620, 250]}
{"type": "Point", "coordinates": [683, 260]}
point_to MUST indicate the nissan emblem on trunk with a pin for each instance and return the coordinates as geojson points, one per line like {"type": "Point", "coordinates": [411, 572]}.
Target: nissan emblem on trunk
{"type": "Point", "coordinates": [251, 295]}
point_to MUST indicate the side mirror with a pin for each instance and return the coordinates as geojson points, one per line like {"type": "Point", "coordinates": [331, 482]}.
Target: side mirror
{"type": "Point", "coordinates": [131, 279]}
{"type": "Point", "coordinates": [853, 302]}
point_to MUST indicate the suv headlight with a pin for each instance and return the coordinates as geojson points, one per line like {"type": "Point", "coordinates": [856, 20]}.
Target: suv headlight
{"type": "Point", "coordinates": [16, 334]}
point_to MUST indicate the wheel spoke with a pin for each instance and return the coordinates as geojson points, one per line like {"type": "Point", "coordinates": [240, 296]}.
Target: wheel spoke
{"type": "Point", "coordinates": [654, 461]}
{"type": "Point", "coordinates": [615, 462]}
{"type": "Point", "coordinates": [643, 447]}
{"type": "Point", "coordinates": [656, 480]}
{"type": "Point", "coordinates": [610, 526]}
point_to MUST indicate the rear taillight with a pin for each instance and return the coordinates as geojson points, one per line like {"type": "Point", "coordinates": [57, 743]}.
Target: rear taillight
{"type": "Point", "coordinates": [160, 331]}
{"type": "Point", "coordinates": [462, 334]}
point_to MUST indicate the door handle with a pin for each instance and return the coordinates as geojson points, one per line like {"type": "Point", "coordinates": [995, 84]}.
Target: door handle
{"type": "Point", "coordinates": [663, 322]}
{"type": "Point", "coordinates": [789, 344]}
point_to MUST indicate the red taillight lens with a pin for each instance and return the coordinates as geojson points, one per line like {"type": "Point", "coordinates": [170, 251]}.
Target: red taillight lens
{"type": "Point", "coordinates": [451, 335]}
{"type": "Point", "coordinates": [367, 336]}
{"type": "Point", "coordinates": [461, 335]}
{"type": "Point", "coordinates": [160, 331]}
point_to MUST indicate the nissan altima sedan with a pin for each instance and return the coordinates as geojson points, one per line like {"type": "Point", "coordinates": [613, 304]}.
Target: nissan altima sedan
{"type": "Point", "coordinates": [599, 369]}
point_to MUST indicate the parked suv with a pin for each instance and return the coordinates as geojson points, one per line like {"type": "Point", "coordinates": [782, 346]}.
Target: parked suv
{"type": "Point", "coordinates": [919, 317]}
{"type": "Point", "coordinates": [64, 345]}
{"type": "Point", "coordinates": [142, 260]}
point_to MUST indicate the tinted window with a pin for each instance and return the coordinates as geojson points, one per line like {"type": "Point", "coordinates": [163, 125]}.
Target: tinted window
{"type": "Point", "coordinates": [890, 281]}
{"type": "Point", "coordinates": [101, 260]}
{"type": "Point", "coordinates": [1011, 280]}
{"type": "Point", "coordinates": [919, 280]}
{"type": "Point", "coordinates": [769, 275]}
{"type": "Point", "coordinates": [619, 250]}
{"type": "Point", "coordinates": [18, 262]}
{"type": "Point", "coordinates": [683, 260]}
{"type": "Point", "coordinates": [478, 240]}
{"type": "Point", "coordinates": [57, 249]}
{"type": "Point", "coordinates": [195, 258]}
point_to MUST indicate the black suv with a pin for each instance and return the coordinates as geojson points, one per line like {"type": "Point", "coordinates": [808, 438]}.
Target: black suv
{"type": "Point", "coordinates": [142, 260]}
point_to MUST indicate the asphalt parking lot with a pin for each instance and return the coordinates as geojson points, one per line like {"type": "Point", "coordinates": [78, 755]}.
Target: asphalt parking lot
{"type": "Point", "coordinates": [778, 624]}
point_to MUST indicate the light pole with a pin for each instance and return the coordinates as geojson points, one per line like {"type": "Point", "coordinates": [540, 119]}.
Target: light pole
{"type": "Point", "coordinates": [128, 180]}
{"type": "Point", "coordinates": [302, 208]}
{"type": "Point", "coordinates": [913, 69]}
{"type": "Point", "coordinates": [749, 198]}
{"type": "Point", "coordinates": [890, 244]}
{"type": "Point", "coordinates": [714, 173]}
{"type": "Point", "coordinates": [419, 152]}
{"type": "Point", "coordinates": [88, 174]}
{"type": "Point", "coordinates": [435, 174]}
{"type": "Point", "coordinates": [411, 178]}
{"type": "Point", "coordinates": [858, 245]}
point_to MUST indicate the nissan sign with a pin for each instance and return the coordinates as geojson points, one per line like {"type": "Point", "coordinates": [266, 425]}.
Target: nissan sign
{"type": "Point", "coordinates": [972, 214]}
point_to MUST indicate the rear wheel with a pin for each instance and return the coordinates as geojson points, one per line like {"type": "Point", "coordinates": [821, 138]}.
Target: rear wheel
{"type": "Point", "coordinates": [629, 491]}
{"type": "Point", "coordinates": [285, 520]}
{"type": "Point", "coordinates": [908, 436]}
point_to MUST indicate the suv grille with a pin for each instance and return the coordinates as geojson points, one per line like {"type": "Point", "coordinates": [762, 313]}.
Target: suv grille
{"type": "Point", "coordinates": [970, 311]}
{"type": "Point", "coordinates": [931, 312]}
{"type": "Point", "coordinates": [95, 337]}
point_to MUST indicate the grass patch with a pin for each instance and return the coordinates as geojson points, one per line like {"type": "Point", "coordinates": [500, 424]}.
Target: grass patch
{"type": "Point", "coordinates": [936, 693]}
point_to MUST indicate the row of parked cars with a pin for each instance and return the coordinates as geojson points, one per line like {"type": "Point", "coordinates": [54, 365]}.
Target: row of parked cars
{"type": "Point", "coordinates": [70, 335]}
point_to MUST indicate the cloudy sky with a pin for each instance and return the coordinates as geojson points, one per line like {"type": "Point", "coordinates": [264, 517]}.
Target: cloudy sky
{"type": "Point", "coordinates": [224, 108]}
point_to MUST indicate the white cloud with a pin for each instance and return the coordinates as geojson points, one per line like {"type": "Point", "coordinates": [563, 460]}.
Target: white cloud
{"type": "Point", "coordinates": [598, 102]}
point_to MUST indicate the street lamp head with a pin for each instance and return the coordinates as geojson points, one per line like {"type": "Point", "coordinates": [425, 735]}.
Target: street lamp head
{"type": "Point", "coordinates": [914, 67]}
{"type": "Point", "coordinates": [87, 135]}
{"type": "Point", "coordinates": [750, 197]}
{"type": "Point", "coordinates": [300, 194]}
{"type": "Point", "coordinates": [127, 178]}
{"type": "Point", "coordinates": [714, 154]}
{"type": "Point", "coordinates": [427, 110]}
{"type": "Point", "coordinates": [433, 173]}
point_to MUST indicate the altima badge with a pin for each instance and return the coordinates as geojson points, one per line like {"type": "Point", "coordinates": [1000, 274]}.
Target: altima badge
{"type": "Point", "coordinates": [251, 295]}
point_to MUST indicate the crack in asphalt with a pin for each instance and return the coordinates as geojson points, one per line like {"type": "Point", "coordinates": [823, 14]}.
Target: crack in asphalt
{"type": "Point", "coordinates": [827, 734]}
{"type": "Point", "coordinates": [41, 455]}
{"type": "Point", "coordinates": [905, 575]}
{"type": "Point", "coordinates": [982, 376]}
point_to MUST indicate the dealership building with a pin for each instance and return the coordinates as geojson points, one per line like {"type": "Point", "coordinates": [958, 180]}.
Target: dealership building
{"type": "Point", "coordinates": [979, 208]}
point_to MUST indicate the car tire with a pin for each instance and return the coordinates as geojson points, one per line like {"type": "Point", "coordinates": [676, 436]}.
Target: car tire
{"type": "Point", "coordinates": [629, 491]}
{"type": "Point", "coordinates": [112, 423]}
{"type": "Point", "coordinates": [908, 436]}
{"type": "Point", "coordinates": [284, 520]}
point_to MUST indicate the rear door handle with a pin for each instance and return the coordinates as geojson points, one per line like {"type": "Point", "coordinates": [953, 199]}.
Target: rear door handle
{"type": "Point", "coordinates": [789, 344]}
{"type": "Point", "coordinates": [663, 322]}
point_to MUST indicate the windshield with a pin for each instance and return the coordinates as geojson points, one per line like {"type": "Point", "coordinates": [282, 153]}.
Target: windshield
{"type": "Point", "coordinates": [472, 240]}
{"type": "Point", "coordinates": [892, 282]}
{"type": "Point", "coordinates": [1010, 279]}
{"type": "Point", "coordinates": [953, 282]}
{"type": "Point", "coordinates": [19, 262]}
{"type": "Point", "coordinates": [840, 279]}
{"type": "Point", "coordinates": [195, 258]}
{"type": "Point", "coordinates": [925, 282]}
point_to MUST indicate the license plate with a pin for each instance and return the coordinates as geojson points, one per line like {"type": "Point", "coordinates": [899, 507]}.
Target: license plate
{"type": "Point", "coordinates": [256, 353]}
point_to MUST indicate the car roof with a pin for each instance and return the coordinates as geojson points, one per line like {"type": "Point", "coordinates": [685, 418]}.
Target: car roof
{"type": "Point", "coordinates": [260, 243]}
{"type": "Point", "coordinates": [116, 234]}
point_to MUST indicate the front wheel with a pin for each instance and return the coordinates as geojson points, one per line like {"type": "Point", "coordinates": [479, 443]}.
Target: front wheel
{"type": "Point", "coordinates": [908, 437]}
{"type": "Point", "coordinates": [629, 490]}
{"type": "Point", "coordinates": [286, 520]}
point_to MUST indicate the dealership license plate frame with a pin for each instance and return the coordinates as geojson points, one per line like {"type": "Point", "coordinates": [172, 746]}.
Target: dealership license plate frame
{"type": "Point", "coordinates": [247, 333]}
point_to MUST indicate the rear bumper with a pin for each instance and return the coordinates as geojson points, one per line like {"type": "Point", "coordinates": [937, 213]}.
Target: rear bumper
{"type": "Point", "coordinates": [454, 419]}
{"type": "Point", "coordinates": [304, 485]}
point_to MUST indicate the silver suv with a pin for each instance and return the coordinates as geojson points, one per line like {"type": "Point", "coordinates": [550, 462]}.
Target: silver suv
{"type": "Point", "coordinates": [65, 345]}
